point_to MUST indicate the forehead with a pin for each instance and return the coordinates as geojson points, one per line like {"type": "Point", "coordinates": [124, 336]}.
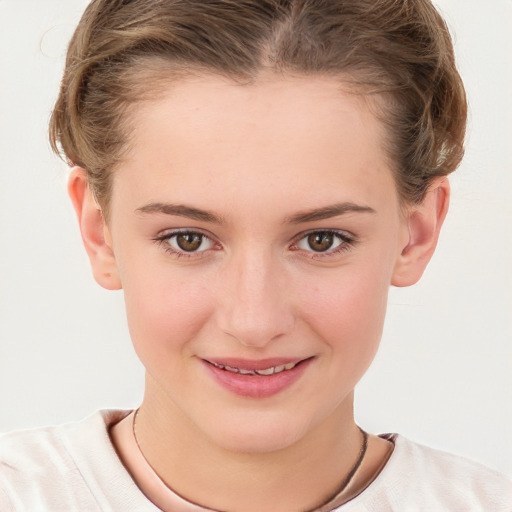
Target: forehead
{"type": "Point", "coordinates": [208, 132]}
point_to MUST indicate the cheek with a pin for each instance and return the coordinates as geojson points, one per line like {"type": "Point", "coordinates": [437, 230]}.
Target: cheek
{"type": "Point", "coordinates": [347, 310]}
{"type": "Point", "coordinates": [165, 312]}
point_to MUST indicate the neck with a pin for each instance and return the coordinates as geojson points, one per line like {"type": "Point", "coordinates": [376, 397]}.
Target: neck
{"type": "Point", "coordinates": [303, 475]}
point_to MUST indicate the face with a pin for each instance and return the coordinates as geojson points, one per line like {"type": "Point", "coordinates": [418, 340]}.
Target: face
{"type": "Point", "coordinates": [256, 229]}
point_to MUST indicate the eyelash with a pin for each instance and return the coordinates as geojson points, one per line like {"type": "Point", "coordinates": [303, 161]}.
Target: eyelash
{"type": "Point", "coordinates": [164, 239]}
{"type": "Point", "coordinates": [347, 242]}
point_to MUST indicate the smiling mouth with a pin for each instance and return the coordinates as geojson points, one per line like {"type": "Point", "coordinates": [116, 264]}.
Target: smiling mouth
{"type": "Point", "coordinates": [272, 370]}
{"type": "Point", "coordinates": [257, 379]}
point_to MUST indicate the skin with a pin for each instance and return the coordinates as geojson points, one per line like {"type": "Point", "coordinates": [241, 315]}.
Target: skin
{"type": "Point", "coordinates": [256, 157]}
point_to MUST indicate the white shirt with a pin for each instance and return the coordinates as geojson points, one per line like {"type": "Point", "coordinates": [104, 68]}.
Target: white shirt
{"type": "Point", "coordinates": [74, 467]}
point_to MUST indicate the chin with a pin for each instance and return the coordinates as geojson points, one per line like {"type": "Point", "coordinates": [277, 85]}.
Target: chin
{"type": "Point", "coordinates": [258, 435]}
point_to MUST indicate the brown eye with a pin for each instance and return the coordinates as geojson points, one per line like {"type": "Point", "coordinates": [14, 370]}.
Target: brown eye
{"type": "Point", "coordinates": [321, 241]}
{"type": "Point", "coordinates": [325, 241]}
{"type": "Point", "coordinates": [188, 242]}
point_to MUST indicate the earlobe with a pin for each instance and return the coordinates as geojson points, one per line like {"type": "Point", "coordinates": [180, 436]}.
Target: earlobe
{"type": "Point", "coordinates": [94, 230]}
{"type": "Point", "coordinates": [424, 223]}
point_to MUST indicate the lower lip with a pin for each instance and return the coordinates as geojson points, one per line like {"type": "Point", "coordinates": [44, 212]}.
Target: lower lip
{"type": "Point", "coordinates": [257, 386]}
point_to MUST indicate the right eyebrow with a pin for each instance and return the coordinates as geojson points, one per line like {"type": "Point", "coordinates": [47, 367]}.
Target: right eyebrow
{"type": "Point", "coordinates": [181, 210]}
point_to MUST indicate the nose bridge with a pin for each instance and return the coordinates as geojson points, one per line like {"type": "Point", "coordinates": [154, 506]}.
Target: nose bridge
{"type": "Point", "coordinates": [255, 310]}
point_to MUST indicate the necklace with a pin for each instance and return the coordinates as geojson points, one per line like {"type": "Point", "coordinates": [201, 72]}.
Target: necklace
{"type": "Point", "coordinates": [337, 495]}
{"type": "Point", "coordinates": [355, 467]}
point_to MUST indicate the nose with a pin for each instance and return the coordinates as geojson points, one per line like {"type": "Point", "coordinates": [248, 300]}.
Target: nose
{"type": "Point", "coordinates": [256, 307]}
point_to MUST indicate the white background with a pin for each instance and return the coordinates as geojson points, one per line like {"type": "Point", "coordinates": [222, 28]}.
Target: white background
{"type": "Point", "coordinates": [443, 374]}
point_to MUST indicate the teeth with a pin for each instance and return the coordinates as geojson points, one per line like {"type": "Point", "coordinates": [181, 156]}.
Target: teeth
{"type": "Point", "coordinates": [266, 371]}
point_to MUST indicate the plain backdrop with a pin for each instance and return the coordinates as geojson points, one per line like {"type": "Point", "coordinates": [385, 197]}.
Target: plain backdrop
{"type": "Point", "coordinates": [443, 373]}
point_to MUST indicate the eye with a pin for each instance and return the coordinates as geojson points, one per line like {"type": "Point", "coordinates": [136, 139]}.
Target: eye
{"type": "Point", "coordinates": [186, 242]}
{"type": "Point", "coordinates": [324, 241]}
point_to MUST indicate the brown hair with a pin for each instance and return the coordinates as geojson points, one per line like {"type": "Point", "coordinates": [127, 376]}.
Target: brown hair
{"type": "Point", "coordinates": [123, 50]}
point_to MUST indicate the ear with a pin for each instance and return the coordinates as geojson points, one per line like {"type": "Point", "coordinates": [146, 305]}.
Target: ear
{"type": "Point", "coordinates": [424, 223]}
{"type": "Point", "coordinates": [94, 230]}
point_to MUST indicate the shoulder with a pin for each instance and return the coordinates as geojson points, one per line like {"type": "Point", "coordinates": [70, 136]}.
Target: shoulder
{"type": "Point", "coordinates": [47, 463]}
{"type": "Point", "coordinates": [436, 463]}
{"type": "Point", "coordinates": [417, 477]}
{"type": "Point", "coordinates": [35, 450]}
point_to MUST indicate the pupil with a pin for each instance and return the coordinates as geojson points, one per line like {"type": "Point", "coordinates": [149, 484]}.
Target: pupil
{"type": "Point", "coordinates": [189, 241]}
{"type": "Point", "coordinates": [320, 242]}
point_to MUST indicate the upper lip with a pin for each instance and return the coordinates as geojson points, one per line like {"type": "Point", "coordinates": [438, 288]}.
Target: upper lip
{"type": "Point", "coordinates": [254, 364]}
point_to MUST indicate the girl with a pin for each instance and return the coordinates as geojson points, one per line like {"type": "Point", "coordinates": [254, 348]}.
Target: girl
{"type": "Point", "coordinates": [254, 175]}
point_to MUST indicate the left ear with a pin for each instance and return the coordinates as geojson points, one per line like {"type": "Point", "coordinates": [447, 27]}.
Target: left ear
{"type": "Point", "coordinates": [424, 223]}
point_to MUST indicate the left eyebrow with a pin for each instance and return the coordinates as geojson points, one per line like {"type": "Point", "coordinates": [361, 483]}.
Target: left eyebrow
{"type": "Point", "coordinates": [328, 212]}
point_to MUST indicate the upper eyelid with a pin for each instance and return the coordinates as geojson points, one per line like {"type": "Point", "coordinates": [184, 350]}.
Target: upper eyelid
{"type": "Point", "coordinates": [348, 241]}
{"type": "Point", "coordinates": [175, 231]}
{"type": "Point", "coordinates": [169, 233]}
{"type": "Point", "coordinates": [165, 235]}
{"type": "Point", "coordinates": [340, 232]}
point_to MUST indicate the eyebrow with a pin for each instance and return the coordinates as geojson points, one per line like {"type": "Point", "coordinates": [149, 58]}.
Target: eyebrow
{"type": "Point", "coordinates": [181, 211]}
{"type": "Point", "coordinates": [328, 212]}
{"type": "Point", "coordinates": [191, 212]}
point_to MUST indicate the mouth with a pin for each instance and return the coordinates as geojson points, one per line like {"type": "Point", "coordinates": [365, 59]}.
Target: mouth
{"type": "Point", "coordinates": [271, 370]}
{"type": "Point", "coordinates": [258, 378]}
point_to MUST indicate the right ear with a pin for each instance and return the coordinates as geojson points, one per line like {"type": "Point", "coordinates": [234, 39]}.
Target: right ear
{"type": "Point", "coordinates": [94, 230]}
